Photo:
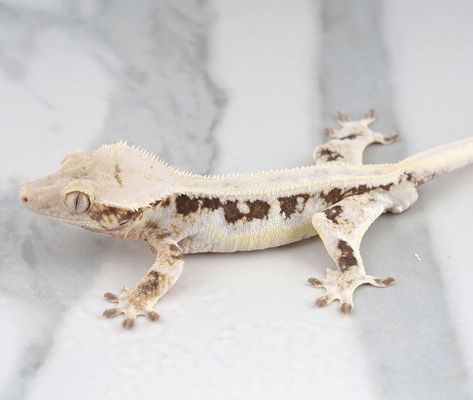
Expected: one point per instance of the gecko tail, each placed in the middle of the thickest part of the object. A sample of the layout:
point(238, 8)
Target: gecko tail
point(427, 165)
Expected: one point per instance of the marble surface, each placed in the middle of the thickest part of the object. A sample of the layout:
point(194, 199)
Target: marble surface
point(220, 86)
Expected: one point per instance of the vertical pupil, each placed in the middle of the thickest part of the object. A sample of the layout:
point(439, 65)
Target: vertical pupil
point(76, 205)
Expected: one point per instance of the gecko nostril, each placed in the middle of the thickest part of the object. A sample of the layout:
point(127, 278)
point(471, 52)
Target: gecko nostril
point(24, 199)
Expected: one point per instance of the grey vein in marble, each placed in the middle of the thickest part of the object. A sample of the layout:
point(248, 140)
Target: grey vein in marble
point(163, 100)
point(402, 346)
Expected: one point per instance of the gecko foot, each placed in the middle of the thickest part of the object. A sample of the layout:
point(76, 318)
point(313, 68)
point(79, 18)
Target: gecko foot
point(130, 306)
point(340, 285)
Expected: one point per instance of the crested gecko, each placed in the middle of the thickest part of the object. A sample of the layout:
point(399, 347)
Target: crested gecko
point(124, 191)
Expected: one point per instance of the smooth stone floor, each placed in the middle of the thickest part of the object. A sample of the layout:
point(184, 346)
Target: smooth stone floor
point(233, 86)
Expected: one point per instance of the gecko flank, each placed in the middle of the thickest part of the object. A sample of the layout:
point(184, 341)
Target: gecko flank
point(124, 191)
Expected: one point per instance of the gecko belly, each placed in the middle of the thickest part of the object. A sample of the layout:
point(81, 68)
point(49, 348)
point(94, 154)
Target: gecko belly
point(241, 239)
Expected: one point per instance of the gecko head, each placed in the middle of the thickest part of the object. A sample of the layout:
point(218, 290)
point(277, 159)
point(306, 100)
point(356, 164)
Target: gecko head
point(103, 191)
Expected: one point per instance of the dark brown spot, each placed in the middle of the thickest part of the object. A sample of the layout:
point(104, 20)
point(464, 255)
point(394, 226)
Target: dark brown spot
point(173, 247)
point(186, 205)
point(386, 187)
point(347, 258)
point(351, 136)
point(166, 202)
point(289, 204)
point(162, 235)
point(151, 225)
point(149, 285)
point(154, 230)
point(333, 213)
point(118, 177)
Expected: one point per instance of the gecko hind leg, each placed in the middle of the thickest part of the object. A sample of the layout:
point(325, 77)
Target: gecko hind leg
point(341, 228)
point(348, 143)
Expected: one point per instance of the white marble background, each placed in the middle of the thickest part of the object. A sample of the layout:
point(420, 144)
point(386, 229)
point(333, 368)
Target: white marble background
point(219, 86)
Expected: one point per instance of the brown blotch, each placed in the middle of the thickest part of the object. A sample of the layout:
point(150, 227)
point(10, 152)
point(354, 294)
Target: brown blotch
point(288, 204)
point(148, 287)
point(231, 212)
point(151, 225)
point(117, 175)
point(347, 258)
point(259, 209)
point(337, 194)
point(211, 203)
point(333, 196)
point(328, 155)
point(186, 205)
point(173, 247)
point(154, 230)
point(103, 214)
point(333, 213)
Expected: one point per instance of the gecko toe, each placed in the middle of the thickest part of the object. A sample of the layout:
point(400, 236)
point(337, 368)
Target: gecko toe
point(111, 312)
point(110, 297)
point(152, 315)
point(128, 323)
point(315, 282)
point(324, 300)
point(382, 282)
point(346, 308)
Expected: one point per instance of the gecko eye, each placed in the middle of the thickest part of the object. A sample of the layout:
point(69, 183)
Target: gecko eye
point(77, 201)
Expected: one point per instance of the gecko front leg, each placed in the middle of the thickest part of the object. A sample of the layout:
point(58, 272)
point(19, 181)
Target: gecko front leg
point(163, 274)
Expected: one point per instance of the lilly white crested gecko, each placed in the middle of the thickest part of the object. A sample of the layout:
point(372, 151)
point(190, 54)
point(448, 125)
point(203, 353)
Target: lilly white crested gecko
point(126, 192)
